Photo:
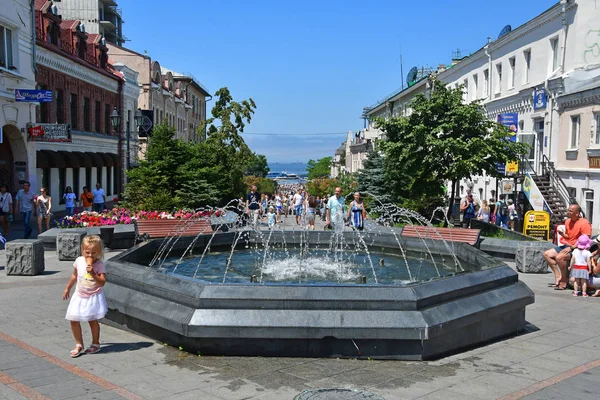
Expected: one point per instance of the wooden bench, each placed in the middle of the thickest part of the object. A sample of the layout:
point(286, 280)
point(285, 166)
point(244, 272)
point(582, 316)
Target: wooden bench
point(159, 228)
point(469, 236)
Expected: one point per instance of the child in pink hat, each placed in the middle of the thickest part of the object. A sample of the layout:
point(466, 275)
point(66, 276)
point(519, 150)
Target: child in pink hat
point(581, 263)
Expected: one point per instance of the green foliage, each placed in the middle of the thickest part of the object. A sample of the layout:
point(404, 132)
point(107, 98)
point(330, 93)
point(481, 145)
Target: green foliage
point(263, 185)
point(444, 139)
point(320, 168)
point(257, 166)
point(178, 174)
point(372, 178)
point(326, 186)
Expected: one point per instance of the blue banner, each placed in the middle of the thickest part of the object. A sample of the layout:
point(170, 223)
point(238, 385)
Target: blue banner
point(33, 96)
point(539, 99)
point(511, 121)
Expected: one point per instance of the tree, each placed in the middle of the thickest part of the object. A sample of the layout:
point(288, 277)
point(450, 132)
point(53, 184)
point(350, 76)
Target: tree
point(257, 166)
point(178, 174)
point(320, 168)
point(443, 139)
point(372, 179)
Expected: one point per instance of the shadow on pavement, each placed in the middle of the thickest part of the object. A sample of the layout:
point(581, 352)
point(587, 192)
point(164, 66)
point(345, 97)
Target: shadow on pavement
point(122, 347)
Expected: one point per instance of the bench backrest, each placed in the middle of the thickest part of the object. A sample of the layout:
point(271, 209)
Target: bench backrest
point(159, 228)
point(470, 236)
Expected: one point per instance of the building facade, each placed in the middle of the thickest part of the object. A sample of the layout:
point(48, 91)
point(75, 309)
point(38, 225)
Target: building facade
point(17, 64)
point(103, 17)
point(176, 99)
point(72, 138)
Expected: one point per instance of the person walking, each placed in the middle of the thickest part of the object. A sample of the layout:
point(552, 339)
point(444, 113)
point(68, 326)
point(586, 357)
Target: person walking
point(88, 303)
point(87, 199)
point(69, 198)
point(335, 210)
point(502, 213)
point(467, 206)
point(99, 198)
point(357, 213)
point(253, 205)
point(43, 206)
point(310, 205)
point(6, 209)
point(24, 204)
point(298, 200)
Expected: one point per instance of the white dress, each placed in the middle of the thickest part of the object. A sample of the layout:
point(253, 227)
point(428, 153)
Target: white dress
point(88, 302)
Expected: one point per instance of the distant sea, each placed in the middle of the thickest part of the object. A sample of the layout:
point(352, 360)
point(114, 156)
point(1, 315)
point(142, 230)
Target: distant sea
point(288, 168)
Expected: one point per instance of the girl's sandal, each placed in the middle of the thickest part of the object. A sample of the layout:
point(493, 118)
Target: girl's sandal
point(94, 348)
point(77, 351)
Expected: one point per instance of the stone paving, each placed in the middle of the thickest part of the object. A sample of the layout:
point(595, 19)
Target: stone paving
point(558, 358)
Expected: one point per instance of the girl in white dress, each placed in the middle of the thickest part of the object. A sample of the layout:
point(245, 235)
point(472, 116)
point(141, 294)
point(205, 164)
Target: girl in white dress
point(581, 263)
point(88, 302)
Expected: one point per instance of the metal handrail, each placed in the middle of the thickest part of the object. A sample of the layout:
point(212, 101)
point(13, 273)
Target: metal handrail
point(556, 181)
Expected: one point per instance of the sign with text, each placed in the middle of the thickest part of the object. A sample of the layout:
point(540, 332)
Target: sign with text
point(511, 121)
point(536, 224)
point(594, 162)
point(539, 99)
point(50, 132)
point(512, 167)
point(534, 195)
point(33, 96)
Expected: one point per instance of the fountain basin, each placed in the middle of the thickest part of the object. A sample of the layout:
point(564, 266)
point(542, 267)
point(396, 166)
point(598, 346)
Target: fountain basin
point(416, 321)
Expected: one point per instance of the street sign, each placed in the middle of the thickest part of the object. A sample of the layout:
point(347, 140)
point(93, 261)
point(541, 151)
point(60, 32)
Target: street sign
point(539, 99)
point(33, 96)
point(50, 132)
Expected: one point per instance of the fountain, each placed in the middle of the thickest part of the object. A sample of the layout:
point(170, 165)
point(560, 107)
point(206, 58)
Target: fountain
point(334, 293)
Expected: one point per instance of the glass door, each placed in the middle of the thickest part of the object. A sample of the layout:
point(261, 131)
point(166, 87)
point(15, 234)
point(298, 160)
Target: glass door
point(531, 157)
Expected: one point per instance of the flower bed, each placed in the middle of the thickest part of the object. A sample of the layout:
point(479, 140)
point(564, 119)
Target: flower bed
point(124, 216)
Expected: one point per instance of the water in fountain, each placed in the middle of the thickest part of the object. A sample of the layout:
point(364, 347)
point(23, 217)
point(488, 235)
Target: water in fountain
point(348, 258)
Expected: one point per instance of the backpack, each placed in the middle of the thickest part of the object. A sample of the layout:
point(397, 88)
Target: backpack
point(470, 209)
point(504, 209)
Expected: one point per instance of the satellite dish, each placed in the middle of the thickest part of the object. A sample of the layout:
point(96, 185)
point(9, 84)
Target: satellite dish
point(506, 30)
point(412, 75)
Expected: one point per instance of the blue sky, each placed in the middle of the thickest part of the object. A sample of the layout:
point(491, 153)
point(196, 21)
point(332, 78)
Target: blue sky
point(311, 66)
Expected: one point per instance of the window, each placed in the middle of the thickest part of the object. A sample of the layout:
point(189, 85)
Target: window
point(527, 65)
point(572, 194)
point(88, 178)
point(60, 107)
point(73, 104)
point(597, 130)
point(6, 48)
point(588, 196)
point(574, 139)
point(99, 174)
point(106, 119)
point(511, 62)
point(486, 82)
point(81, 48)
point(46, 180)
point(474, 91)
point(86, 115)
point(466, 90)
point(53, 34)
point(498, 78)
point(98, 117)
point(44, 112)
point(554, 49)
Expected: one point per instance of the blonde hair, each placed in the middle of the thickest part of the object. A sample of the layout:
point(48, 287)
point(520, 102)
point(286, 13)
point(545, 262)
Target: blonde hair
point(95, 242)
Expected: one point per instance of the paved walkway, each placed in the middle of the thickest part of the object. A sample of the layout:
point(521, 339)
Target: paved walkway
point(558, 358)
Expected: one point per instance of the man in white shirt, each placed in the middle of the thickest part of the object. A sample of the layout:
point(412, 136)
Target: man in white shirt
point(298, 200)
point(99, 198)
point(335, 209)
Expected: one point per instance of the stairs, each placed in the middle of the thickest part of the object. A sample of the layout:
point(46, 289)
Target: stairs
point(553, 198)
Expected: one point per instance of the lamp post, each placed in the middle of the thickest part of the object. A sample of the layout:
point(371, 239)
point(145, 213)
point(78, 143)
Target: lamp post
point(115, 121)
point(138, 118)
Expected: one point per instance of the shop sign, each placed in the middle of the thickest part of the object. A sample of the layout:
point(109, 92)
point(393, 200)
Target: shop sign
point(511, 121)
point(33, 96)
point(534, 195)
point(594, 162)
point(539, 99)
point(50, 133)
point(537, 224)
point(512, 167)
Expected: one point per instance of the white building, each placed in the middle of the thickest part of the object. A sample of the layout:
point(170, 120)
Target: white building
point(131, 91)
point(17, 46)
point(543, 75)
point(103, 17)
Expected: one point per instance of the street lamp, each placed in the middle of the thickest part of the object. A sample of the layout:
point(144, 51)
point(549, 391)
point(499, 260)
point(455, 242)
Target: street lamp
point(115, 121)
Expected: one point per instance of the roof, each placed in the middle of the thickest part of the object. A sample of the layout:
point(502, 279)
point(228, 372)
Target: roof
point(186, 76)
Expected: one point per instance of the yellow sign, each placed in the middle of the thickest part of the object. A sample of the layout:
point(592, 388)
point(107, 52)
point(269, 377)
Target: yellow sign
point(594, 162)
point(512, 167)
point(537, 224)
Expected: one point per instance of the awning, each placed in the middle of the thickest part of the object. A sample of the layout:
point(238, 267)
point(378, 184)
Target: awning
point(50, 159)
point(116, 159)
point(72, 159)
point(41, 160)
point(85, 161)
point(97, 160)
point(108, 161)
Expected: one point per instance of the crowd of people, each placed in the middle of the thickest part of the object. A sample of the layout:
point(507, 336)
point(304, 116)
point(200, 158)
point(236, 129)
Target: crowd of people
point(501, 213)
point(293, 201)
